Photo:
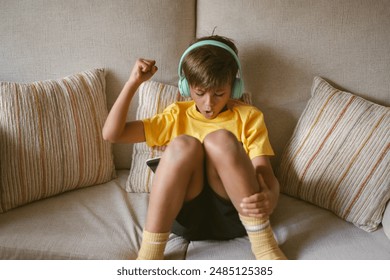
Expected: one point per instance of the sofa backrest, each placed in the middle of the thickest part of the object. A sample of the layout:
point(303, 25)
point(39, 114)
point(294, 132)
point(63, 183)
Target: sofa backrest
point(282, 46)
point(49, 39)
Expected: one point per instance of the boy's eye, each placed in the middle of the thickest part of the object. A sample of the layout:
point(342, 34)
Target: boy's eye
point(219, 94)
point(200, 92)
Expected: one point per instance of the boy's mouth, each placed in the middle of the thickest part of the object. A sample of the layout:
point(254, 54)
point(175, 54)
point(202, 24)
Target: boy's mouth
point(209, 113)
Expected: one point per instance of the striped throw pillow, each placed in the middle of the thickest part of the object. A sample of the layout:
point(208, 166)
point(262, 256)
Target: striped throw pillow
point(153, 98)
point(50, 137)
point(338, 156)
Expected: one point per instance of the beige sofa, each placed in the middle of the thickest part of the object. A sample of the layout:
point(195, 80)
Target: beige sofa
point(283, 45)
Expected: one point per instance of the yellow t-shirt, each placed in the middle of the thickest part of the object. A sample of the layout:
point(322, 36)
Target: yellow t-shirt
point(244, 121)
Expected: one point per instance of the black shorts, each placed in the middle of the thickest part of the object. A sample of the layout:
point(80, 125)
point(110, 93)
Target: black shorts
point(208, 216)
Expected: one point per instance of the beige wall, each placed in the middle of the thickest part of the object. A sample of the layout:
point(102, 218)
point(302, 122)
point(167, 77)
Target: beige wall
point(283, 45)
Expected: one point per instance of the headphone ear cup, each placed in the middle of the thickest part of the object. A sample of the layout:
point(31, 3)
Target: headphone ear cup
point(238, 88)
point(184, 87)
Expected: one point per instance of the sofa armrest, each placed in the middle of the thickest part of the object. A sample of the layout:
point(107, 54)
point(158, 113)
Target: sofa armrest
point(386, 220)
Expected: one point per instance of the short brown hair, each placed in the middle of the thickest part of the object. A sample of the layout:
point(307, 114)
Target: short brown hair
point(210, 66)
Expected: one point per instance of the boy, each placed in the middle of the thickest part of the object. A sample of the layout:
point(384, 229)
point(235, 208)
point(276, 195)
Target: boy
point(214, 180)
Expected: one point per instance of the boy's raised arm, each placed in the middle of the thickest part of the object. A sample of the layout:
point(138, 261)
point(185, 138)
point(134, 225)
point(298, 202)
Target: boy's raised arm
point(116, 129)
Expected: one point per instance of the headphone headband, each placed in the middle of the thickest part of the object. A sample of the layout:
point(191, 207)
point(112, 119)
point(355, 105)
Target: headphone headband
point(183, 84)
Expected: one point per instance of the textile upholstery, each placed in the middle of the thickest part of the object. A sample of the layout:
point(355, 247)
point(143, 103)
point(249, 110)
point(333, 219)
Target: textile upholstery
point(51, 137)
point(282, 46)
point(338, 156)
point(48, 39)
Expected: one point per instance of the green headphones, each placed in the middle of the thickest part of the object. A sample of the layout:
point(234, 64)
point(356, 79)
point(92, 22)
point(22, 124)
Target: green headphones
point(184, 87)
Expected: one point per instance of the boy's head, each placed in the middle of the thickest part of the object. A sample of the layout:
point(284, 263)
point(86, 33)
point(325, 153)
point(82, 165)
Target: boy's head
point(210, 66)
point(208, 70)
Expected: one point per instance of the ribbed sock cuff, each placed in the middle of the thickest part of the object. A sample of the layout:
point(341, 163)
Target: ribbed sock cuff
point(253, 222)
point(263, 243)
point(153, 245)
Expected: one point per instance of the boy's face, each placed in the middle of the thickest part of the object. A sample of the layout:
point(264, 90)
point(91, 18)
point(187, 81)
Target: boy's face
point(212, 101)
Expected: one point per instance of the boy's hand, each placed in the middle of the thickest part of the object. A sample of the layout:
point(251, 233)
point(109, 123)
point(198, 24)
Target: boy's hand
point(143, 70)
point(260, 204)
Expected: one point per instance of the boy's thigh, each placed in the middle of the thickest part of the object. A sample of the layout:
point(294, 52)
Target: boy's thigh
point(208, 216)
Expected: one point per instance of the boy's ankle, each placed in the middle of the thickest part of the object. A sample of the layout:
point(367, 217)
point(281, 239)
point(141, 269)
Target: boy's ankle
point(153, 246)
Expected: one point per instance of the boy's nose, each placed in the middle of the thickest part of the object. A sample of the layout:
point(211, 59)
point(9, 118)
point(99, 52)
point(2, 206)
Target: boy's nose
point(209, 100)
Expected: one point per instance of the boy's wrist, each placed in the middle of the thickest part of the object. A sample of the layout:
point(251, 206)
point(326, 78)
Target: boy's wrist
point(134, 82)
point(133, 85)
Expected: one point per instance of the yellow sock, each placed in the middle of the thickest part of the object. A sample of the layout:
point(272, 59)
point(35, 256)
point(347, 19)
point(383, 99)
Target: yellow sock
point(264, 245)
point(152, 246)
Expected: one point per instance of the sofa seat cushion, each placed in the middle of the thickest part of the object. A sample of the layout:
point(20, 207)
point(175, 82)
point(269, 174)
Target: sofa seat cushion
point(99, 222)
point(234, 249)
point(304, 232)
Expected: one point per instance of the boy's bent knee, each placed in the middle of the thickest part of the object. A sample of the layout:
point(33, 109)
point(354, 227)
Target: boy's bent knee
point(185, 146)
point(223, 141)
point(185, 142)
point(221, 135)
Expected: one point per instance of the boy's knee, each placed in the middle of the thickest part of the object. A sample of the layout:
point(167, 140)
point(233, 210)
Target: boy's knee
point(185, 146)
point(222, 141)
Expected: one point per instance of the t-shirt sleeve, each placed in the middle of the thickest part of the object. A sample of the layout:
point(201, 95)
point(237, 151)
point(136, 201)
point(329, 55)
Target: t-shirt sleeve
point(256, 135)
point(158, 129)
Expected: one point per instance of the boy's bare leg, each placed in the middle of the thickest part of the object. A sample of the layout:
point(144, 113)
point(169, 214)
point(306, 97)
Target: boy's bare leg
point(229, 170)
point(178, 178)
point(232, 176)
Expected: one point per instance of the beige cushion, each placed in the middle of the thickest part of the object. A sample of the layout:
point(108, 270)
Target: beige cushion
point(338, 156)
point(154, 97)
point(51, 137)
